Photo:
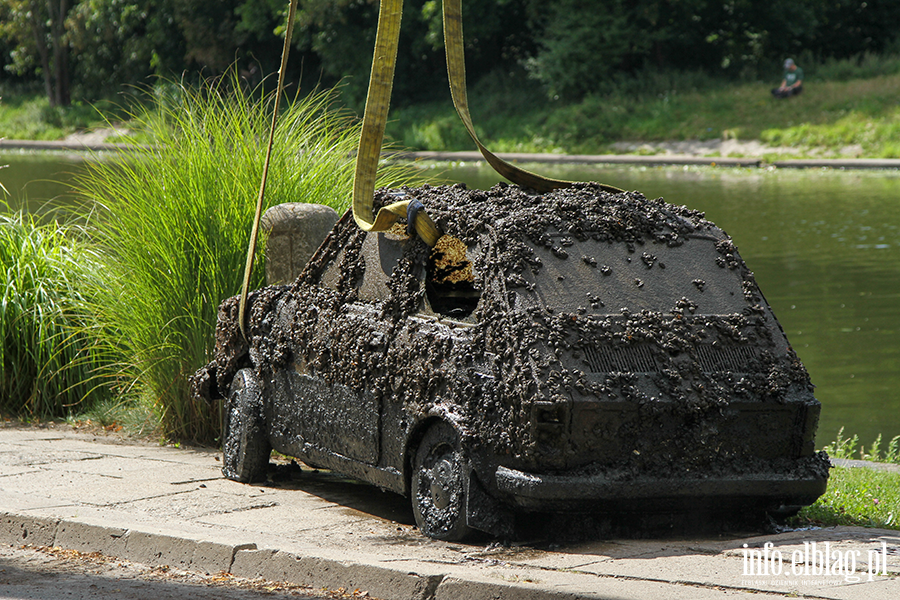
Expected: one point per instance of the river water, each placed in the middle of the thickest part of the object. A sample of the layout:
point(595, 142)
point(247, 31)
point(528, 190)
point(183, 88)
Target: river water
point(824, 244)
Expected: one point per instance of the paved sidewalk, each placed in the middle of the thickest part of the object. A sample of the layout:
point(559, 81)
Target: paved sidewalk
point(168, 506)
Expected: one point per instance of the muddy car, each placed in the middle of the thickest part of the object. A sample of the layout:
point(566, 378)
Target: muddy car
point(570, 351)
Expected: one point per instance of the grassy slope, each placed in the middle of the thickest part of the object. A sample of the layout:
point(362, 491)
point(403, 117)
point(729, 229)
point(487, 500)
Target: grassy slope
point(27, 115)
point(828, 117)
point(513, 114)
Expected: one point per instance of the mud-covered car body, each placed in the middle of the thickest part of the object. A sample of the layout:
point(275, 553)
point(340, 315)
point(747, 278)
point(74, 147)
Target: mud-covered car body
point(577, 350)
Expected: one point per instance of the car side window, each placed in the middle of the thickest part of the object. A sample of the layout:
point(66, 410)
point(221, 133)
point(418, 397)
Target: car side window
point(386, 256)
point(337, 265)
point(332, 273)
point(450, 280)
point(439, 282)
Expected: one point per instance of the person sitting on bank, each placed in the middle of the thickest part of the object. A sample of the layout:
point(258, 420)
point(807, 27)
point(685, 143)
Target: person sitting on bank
point(792, 84)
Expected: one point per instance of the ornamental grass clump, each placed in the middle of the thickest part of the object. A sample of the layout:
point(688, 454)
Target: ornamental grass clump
point(173, 225)
point(48, 358)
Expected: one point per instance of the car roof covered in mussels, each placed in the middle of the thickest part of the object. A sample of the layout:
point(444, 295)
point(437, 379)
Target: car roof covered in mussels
point(584, 346)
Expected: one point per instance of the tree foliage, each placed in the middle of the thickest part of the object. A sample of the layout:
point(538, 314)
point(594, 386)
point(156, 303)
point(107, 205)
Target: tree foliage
point(571, 46)
point(37, 32)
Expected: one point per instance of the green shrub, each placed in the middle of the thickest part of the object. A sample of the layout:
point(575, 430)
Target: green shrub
point(48, 360)
point(173, 225)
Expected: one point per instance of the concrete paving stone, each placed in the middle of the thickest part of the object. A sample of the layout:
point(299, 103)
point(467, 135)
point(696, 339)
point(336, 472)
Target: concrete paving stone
point(18, 457)
point(39, 442)
point(291, 520)
point(690, 564)
point(202, 506)
point(10, 471)
point(855, 543)
point(83, 488)
point(15, 503)
point(76, 485)
point(467, 589)
point(113, 466)
point(731, 569)
point(594, 557)
point(24, 507)
point(566, 586)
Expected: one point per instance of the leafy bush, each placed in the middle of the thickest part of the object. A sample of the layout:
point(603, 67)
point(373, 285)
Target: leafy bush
point(173, 226)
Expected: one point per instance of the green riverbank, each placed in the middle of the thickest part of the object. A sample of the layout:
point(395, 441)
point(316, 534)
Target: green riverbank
point(853, 117)
point(849, 109)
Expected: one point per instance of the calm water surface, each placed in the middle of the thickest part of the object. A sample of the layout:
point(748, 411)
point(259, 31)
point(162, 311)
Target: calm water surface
point(825, 247)
point(38, 181)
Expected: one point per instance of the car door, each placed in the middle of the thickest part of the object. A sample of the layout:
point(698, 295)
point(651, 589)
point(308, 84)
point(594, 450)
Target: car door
point(333, 381)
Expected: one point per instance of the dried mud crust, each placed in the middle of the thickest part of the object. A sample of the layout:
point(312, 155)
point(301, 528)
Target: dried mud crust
point(488, 380)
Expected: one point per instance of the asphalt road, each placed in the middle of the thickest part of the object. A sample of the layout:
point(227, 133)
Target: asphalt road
point(55, 574)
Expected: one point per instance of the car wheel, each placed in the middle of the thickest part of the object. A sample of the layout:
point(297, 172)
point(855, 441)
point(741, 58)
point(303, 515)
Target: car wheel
point(245, 449)
point(438, 485)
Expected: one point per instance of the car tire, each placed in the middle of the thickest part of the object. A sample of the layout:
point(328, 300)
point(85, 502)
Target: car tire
point(438, 487)
point(245, 447)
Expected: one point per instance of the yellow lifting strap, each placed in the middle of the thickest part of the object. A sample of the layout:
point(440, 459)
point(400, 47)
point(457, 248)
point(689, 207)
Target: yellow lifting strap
point(378, 102)
point(375, 118)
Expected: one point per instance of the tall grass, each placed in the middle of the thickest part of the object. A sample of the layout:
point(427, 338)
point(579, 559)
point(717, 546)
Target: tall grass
point(173, 225)
point(850, 448)
point(48, 359)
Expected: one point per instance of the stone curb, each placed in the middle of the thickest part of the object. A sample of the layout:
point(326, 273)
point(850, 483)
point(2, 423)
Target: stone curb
point(865, 464)
point(67, 146)
point(245, 560)
point(315, 572)
point(147, 548)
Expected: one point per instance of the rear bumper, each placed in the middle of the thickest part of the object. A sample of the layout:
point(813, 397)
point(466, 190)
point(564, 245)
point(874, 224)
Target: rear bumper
point(620, 490)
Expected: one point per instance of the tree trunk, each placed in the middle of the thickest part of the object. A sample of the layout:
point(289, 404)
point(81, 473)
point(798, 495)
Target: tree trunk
point(40, 41)
point(61, 96)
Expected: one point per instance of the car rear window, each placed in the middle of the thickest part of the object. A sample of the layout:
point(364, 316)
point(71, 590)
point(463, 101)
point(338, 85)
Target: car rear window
point(601, 278)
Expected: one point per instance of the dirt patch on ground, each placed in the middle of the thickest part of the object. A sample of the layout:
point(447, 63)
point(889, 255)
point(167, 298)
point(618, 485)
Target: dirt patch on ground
point(731, 147)
point(100, 135)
